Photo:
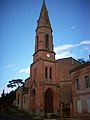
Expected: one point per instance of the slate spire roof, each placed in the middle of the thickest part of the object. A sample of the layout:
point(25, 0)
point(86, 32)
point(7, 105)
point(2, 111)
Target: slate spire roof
point(43, 20)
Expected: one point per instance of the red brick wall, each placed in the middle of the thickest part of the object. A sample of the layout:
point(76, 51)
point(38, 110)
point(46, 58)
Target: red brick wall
point(83, 94)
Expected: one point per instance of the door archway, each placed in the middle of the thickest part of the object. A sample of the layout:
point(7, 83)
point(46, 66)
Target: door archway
point(48, 101)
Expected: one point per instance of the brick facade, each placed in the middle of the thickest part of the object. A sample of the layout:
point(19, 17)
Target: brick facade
point(81, 91)
point(65, 65)
point(49, 87)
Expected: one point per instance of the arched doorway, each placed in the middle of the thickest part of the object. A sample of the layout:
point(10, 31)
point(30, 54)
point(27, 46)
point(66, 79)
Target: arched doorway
point(33, 99)
point(48, 101)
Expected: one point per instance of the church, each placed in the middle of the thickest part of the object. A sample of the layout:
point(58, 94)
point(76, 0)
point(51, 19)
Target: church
point(49, 87)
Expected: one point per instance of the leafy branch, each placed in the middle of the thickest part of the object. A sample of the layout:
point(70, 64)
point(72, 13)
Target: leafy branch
point(15, 82)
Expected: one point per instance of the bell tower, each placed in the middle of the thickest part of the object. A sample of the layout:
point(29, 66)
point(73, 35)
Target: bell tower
point(44, 91)
point(44, 38)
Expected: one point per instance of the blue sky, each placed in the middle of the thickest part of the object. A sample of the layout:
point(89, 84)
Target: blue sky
point(70, 21)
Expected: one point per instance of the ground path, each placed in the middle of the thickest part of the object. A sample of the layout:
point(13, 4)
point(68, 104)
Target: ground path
point(8, 117)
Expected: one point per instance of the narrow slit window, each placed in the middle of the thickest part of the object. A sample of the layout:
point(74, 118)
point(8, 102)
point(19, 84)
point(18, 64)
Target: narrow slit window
point(77, 84)
point(46, 72)
point(87, 83)
point(47, 41)
point(50, 76)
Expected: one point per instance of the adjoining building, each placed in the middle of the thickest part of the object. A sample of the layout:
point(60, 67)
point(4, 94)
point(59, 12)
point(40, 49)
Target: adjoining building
point(49, 87)
point(81, 90)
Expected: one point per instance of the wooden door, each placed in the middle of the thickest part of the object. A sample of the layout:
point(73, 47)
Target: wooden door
point(48, 101)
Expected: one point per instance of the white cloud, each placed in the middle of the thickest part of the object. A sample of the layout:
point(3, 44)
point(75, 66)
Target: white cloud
point(63, 47)
point(63, 55)
point(63, 51)
point(25, 70)
point(1, 92)
point(8, 66)
point(85, 42)
point(86, 48)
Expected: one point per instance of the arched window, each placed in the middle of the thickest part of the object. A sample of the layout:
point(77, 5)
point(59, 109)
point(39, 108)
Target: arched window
point(47, 41)
point(46, 72)
point(50, 73)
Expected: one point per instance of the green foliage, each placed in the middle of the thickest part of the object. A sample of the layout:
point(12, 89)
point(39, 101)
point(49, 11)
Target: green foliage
point(14, 83)
point(33, 114)
point(14, 111)
point(24, 114)
point(10, 110)
point(82, 60)
point(53, 116)
point(7, 100)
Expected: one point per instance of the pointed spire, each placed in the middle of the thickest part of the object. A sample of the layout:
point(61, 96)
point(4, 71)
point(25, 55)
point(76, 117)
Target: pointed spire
point(43, 18)
point(44, 1)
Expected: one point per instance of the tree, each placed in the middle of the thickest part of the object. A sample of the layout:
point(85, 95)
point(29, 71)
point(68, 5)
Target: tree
point(7, 100)
point(82, 60)
point(3, 93)
point(15, 82)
